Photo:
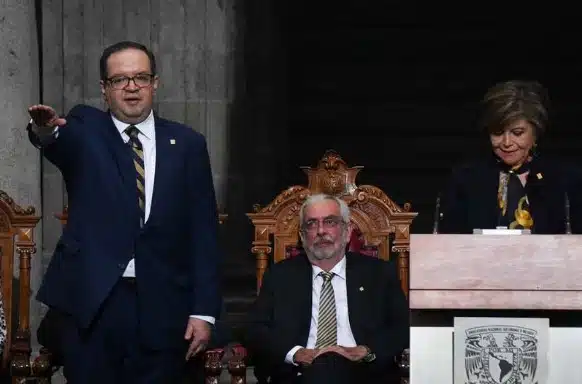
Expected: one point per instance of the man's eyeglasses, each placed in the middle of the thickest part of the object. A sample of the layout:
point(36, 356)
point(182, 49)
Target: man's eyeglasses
point(327, 223)
point(121, 82)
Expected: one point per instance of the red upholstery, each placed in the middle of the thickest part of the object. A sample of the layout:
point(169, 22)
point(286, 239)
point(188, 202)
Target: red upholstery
point(358, 244)
point(239, 350)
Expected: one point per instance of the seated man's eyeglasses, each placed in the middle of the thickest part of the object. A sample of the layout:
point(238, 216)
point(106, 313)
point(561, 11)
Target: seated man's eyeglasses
point(330, 222)
point(121, 82)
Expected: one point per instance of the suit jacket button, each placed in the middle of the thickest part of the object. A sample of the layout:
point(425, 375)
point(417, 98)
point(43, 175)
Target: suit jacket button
point(121, 266)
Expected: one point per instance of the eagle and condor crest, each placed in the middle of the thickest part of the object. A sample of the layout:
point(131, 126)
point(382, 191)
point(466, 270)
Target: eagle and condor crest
point(499, 353)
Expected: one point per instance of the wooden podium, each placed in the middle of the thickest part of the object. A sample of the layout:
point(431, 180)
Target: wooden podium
point(496, 272)
point(493, 274)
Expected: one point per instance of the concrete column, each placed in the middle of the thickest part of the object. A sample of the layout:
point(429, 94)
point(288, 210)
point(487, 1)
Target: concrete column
point(221, 29)
point(19, 87)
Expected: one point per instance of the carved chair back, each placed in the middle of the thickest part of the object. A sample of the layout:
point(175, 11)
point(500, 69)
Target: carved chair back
point(16, 243)
point(382, 226)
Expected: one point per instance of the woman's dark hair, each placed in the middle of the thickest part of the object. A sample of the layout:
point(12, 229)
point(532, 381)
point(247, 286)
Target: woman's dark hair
point(514, 100)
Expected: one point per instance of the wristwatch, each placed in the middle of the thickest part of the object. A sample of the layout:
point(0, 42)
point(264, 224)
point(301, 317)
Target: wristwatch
point(370, 356)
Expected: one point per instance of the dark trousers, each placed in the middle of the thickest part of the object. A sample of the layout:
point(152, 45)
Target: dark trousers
point(110, 350)
point(330, 368)
point(335, 369)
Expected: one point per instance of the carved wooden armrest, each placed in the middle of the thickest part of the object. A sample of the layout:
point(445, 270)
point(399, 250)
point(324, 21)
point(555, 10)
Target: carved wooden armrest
point(237, 366)
point(213, 365)
point(22, 367)
point(43, 364)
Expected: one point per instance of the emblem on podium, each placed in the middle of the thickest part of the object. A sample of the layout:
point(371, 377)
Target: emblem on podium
point(500, 351)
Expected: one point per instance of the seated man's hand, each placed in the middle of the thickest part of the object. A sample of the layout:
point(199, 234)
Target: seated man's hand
point(304, 356)
point(350, 353)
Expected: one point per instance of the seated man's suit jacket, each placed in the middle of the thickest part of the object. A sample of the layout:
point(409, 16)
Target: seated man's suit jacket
point(175, 252)
point(281, 316)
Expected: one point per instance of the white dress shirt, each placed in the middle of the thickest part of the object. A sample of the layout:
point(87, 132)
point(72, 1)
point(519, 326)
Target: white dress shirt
point(147, 136)
point(345, 337)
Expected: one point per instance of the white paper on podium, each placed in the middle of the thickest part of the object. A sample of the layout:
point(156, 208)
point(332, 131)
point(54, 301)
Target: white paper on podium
point(501, 231)
point(489, 350)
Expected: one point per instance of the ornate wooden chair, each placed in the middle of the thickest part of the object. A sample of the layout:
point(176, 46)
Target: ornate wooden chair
point(17, 242)
point(215, 360)
point(381, 227)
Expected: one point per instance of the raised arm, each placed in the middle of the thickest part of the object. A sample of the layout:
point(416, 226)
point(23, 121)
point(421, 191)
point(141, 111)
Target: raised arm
point(55, 135)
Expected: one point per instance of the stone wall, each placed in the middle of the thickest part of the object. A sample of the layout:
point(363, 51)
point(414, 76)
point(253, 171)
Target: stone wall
point(20, 166)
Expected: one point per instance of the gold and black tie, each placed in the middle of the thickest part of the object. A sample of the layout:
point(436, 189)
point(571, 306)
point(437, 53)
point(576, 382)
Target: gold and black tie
point(137, 152)
point(327, 322)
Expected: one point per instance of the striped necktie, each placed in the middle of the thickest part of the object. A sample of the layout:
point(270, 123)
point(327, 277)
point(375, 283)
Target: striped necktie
point(327, 322)
point(137, 153)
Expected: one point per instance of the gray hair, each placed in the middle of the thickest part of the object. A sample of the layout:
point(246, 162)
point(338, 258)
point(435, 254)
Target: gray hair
point(344, 209)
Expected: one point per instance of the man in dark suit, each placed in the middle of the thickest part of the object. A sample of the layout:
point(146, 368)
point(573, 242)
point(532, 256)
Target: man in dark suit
point(328, 316)
point(134, 277)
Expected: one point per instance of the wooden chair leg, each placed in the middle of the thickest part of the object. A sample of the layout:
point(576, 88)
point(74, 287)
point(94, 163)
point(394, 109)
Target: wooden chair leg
point(238, 370)
point(42, 367)
point(212, 366)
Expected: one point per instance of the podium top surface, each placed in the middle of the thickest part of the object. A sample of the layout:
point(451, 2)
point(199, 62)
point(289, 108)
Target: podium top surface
point(496, 271)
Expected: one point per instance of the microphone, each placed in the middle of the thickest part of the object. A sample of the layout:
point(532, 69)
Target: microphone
point(567, 209)
point(437, 216)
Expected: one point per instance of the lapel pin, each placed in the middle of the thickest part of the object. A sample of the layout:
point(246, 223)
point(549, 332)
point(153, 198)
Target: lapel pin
point(539, 176)
point(172, 141)
point(361, 289)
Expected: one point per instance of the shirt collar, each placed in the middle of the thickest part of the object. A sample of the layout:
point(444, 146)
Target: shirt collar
point(146, 127)
point(339, 269)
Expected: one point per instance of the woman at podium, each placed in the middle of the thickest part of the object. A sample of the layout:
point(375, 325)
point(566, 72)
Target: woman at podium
point(516, 187)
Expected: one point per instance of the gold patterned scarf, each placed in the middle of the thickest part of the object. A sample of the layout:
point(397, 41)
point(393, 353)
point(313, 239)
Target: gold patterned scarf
point(513, 202)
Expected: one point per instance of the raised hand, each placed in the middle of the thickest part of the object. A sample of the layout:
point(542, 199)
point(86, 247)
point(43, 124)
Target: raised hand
point(45, 116)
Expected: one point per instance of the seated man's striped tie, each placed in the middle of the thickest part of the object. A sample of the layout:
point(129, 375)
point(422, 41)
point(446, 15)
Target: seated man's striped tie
point(137, 152)
point(327, 322)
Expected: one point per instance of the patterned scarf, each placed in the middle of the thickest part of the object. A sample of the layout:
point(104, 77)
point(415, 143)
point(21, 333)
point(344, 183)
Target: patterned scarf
point(513, 202)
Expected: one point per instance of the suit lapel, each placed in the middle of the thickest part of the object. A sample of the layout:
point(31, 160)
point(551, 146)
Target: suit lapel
point(303, 282)
point(538, 194)
point(484, 196)
point(165, 153)
point(354, 280)
point(122, 157)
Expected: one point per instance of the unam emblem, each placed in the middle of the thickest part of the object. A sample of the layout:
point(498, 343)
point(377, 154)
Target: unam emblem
point(501, 355)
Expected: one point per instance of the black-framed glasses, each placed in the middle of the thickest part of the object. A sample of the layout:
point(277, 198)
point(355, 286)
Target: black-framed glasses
point(330, 222)
point(121, 82)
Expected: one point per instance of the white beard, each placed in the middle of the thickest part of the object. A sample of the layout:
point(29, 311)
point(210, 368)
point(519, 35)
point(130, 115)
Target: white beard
point(323, 253)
